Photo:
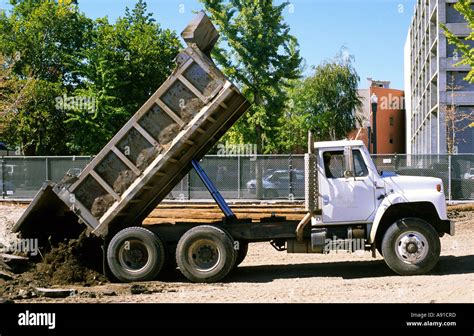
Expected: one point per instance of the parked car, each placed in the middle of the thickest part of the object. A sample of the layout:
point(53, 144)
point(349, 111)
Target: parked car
point(276, 184)
point(469, 175)
point(7, 188)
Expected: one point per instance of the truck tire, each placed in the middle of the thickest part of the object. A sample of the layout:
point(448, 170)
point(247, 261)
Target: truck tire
point(411, 246)
point(135, 254)
point(205, 254)
point(241, 253)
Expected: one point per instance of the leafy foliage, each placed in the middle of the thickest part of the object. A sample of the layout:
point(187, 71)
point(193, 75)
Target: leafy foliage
point(467, 52)
point(62, 53)
point(258, 52)
point(323, 102)
point(125, 64)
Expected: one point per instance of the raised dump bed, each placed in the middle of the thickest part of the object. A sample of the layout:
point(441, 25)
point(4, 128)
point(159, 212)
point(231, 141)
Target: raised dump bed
point(153, 151)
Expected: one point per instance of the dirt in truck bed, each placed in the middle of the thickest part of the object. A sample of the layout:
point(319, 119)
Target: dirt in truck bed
point(265, 276)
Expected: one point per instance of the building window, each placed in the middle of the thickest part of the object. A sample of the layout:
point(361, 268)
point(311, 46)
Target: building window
point(392, 122)
point(455, 81)
point(391, 139)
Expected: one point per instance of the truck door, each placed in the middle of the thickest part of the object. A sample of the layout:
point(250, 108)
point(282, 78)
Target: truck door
point(345, 199)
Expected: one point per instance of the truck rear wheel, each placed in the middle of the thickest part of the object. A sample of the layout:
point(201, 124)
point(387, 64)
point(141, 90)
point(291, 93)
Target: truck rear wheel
point(135, 254)
point(411, 246)
point(205, 254)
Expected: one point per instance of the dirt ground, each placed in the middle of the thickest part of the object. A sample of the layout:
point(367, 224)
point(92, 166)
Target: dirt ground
point(270, 276)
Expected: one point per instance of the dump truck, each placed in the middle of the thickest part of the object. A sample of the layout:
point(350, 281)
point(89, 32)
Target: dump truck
point(349, 205)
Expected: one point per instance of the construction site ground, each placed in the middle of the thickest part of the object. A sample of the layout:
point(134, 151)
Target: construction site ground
point(265, 276)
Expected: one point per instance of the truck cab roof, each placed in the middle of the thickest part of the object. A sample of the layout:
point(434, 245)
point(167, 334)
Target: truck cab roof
point(339, 143)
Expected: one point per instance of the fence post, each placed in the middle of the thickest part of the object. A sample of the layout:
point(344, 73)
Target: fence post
point(290, 176)
point(239, 176)
point(188, 186)
point(47, 169)
point(3, 177)
point(449, 177)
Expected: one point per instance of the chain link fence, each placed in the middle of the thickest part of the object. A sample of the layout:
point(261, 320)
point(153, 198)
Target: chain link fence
point(235, 177)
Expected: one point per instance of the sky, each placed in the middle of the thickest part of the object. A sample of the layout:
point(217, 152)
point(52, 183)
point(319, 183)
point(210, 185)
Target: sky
point(373, 31)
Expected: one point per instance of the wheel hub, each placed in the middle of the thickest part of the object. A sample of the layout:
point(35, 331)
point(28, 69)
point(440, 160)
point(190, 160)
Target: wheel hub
point(412, 247)
point(133, 256)
point(204, 254)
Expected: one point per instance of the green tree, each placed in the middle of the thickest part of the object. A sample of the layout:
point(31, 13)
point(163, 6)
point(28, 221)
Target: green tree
point(125, 64)
point(66, 56)
point(467, 52)
point(293, 129)
point(324, 102)
point(258, 52)
point(39, 38)
point(42, 36)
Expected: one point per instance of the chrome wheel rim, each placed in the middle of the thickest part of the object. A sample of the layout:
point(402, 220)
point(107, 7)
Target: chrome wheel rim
point(411, 247)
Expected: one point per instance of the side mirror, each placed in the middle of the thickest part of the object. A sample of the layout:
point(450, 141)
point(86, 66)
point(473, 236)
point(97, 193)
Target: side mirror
point(348, 162)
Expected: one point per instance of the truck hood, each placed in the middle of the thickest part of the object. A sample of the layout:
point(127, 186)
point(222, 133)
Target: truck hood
point(402, 183)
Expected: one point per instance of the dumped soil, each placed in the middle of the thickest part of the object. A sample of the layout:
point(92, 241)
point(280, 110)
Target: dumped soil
point(168, 134)
point(72, 262)
point(101, 205)
point(146, 157)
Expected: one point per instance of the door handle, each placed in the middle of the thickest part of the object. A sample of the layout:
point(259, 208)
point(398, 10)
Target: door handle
point(377, 186)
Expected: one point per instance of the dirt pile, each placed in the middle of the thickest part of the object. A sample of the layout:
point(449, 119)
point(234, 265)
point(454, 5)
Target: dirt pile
point(101, 205)
point(77, 261)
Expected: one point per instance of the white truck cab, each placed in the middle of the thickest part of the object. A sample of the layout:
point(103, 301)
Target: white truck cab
point(400, 216)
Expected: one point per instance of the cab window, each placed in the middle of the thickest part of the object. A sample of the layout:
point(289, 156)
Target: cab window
point(334, 164)
point(360, 168)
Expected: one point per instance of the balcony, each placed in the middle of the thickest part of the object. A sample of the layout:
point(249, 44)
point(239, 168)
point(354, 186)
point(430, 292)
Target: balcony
point(460, 29)
point(450, 65)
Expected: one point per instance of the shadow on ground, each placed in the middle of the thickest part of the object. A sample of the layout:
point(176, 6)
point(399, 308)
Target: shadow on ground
point(344, 269)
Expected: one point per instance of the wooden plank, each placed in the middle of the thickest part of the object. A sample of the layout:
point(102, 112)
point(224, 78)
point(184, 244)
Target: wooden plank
point(210, 204)
point(211, 119)
point(161, 211)
point(104, 185)
point(193, 89)
point(223, 105)
point(169, 112)
point(125, 160)
point(147, 135)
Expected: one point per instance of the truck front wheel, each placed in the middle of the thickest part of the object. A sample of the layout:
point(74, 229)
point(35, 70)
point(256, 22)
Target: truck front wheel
point(205, 254)
point(411, 246)
point(135, 254)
